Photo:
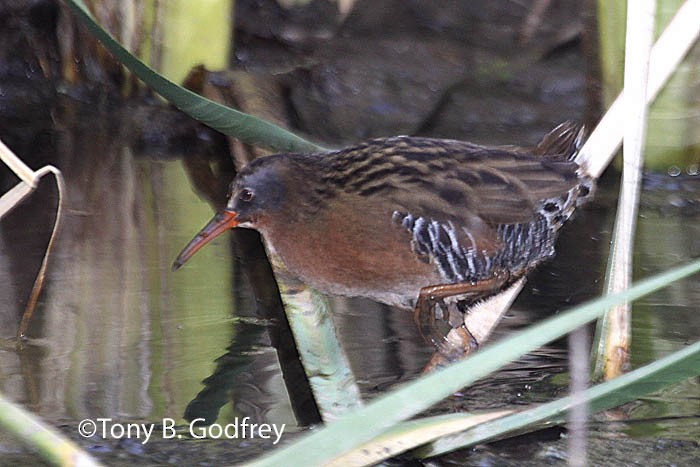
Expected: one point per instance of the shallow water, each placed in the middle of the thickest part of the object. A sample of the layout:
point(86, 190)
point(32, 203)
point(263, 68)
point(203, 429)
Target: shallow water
point(118, 335)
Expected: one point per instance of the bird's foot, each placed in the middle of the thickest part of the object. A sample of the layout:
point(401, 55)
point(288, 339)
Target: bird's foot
point(458, 344)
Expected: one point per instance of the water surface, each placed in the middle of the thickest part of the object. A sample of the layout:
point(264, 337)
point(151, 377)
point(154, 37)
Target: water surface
point(118, 335)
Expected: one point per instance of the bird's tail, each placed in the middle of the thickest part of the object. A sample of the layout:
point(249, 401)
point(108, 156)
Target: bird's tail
point(565, 140)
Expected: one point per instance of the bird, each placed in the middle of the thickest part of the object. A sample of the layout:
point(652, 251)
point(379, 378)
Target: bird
point(417, 223)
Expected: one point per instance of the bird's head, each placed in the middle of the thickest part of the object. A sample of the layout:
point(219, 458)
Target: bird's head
point(256, 193)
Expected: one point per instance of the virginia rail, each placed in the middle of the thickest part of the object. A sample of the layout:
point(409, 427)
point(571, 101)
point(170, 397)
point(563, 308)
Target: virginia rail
point(409, 221)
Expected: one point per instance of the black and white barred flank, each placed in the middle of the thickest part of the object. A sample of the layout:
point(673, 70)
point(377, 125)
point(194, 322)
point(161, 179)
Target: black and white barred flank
point(521, 246)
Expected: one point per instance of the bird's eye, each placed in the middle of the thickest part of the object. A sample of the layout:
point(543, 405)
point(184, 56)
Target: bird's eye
point(246, 195)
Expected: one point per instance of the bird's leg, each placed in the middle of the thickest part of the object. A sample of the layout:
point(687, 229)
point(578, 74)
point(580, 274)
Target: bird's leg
point(425, 307)
point(436, 295)
point(433, 295)
point(427, 300)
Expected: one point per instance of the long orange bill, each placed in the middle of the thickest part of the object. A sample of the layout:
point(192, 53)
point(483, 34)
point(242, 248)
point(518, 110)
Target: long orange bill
point(219, 224)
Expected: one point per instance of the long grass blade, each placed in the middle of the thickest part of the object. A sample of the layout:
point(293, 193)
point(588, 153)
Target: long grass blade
point(413, 433)
point(451, 432)
point(616, 323)
point(11, 199)
point(377, 417)
point(650, 378)
point(247, 128)
point(51, 444)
